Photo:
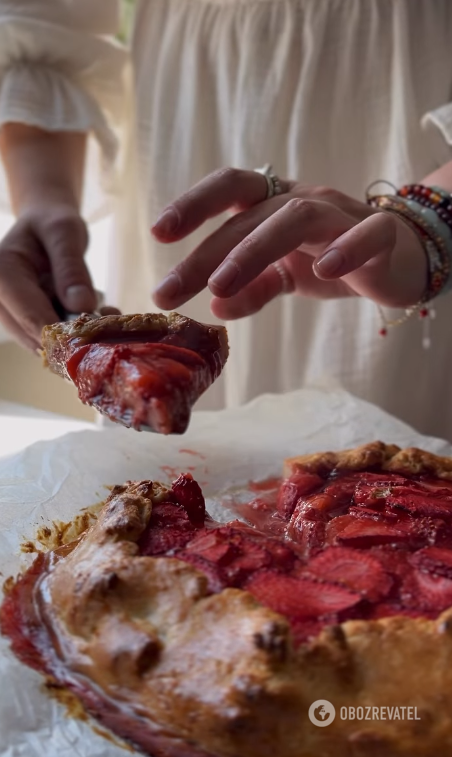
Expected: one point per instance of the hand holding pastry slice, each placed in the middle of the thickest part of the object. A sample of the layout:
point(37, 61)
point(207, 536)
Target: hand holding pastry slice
point(143, 371)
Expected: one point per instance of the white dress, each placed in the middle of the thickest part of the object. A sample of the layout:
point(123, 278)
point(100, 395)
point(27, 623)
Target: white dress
point(332, 92)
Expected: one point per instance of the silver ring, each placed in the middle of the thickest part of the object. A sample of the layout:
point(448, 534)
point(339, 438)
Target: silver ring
point(287, 284)
point(273, 182)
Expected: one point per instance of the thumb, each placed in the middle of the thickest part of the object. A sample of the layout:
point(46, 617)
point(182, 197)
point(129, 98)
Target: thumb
point(65, 239)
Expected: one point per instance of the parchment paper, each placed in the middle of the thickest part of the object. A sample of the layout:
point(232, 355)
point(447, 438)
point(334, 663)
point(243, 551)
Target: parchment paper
point(56, 479)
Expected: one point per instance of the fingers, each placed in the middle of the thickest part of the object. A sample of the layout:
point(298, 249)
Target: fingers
point(385, 262)
point(235, 261)
point(297, 224)
point(373, 237)
point(18, 333)
point(278, 279)
point(65, 239)
point(380, 258)
point(252, 298)
point(41, 247)
point(108, 310)
point(22, 297)
point(191, 276)
point(222, 190)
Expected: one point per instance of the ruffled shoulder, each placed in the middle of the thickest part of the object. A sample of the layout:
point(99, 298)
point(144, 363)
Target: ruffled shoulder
point(437, 125)
point(61, 73)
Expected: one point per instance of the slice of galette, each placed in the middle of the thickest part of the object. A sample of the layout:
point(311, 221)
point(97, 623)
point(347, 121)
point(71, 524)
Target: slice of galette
point(143, 371)
point(190, 638)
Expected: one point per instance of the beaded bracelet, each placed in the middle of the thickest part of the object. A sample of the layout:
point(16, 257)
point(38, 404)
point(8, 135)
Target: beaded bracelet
point(433, 198)
point(428, 212)
point(434, 205)
point(437, 247)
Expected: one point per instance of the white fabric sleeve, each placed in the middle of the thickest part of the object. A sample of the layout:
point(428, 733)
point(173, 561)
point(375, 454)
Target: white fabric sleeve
point(437, 125)
point(61, 70)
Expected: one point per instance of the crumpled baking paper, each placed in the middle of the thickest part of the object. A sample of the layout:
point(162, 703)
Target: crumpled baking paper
point(54, 480)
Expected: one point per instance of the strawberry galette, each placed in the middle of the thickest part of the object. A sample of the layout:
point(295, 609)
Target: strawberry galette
point(143, 371)
point(190, 638)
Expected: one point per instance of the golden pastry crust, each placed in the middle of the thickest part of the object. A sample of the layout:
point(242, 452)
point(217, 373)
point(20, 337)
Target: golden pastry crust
point(219, 672)
point(376, 455)
point(89, 329)
point(210, 668)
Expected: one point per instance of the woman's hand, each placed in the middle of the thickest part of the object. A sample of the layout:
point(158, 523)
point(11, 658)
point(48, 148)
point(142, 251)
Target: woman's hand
point(324, 243)
point(42, 257)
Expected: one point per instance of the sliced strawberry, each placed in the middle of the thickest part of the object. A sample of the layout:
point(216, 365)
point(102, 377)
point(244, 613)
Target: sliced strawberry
point(213, 572)
point(299, 597)
point(212, 547)
point(420, 503)
point(169, 528)
point(238, 529)
point(298, 485)
point(253, 557)
point(373, 488)
point(240, 551)
point(381, 479)
point(439, 487)
point(282, 557)
point(336, 526)
point(428, 531)
point(307, 534)
point(80, 368)
point(393, 559)
point(378, 515)
point(317, 507)
point(370, 496)
point(426, 592)
point(169, 514)
point(341, 489)
point(189, 495)
point(433, 560)
point(205, 540)
point(365, 533)
point(357, 570)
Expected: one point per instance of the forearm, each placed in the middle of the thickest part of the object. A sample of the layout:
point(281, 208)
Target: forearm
point(442, 177)
point(42, 167)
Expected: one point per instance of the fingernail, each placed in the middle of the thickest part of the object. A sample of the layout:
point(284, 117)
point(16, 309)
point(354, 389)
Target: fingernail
point(225, 276)
point(169, 287)
point(168, 222)
point(79, 298)
point(330, 263)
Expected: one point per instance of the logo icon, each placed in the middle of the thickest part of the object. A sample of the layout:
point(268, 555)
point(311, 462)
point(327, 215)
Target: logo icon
point(322, 713)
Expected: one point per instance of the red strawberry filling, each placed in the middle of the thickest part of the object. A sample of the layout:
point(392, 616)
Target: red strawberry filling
point(140, 383)
point(362, 545)
point(322, 551)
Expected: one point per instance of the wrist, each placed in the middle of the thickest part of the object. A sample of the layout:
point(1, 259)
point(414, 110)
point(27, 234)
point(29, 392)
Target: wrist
point(43, 168)
point(411, 268)
point(48, 200)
